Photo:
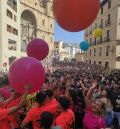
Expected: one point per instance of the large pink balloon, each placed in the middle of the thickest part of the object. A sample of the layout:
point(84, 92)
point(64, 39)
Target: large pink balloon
point(24, 71)
point(38, 49)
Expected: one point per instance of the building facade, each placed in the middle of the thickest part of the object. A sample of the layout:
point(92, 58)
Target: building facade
point(20, 22)
point(79, 57)
point(105, 50)
point(59, 52)
point(72, 49)
point(66, 51)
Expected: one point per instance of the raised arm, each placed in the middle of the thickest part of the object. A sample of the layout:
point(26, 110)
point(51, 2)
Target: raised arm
point(12, 97)
point(89, 94)
point(21, 103)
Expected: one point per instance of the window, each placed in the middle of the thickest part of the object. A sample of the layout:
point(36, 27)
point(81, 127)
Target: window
point(15, 31)
point(12, 30)
point(107, 50)
point(90, 52)
point(94, 62)
point(102, 10)
point(100, 62)
point(90, 62)
point(109, 4)
point(43, 3)
point(100, 51)
point(95, 41)
point(94, 51)
point(9, 28)
point(106, 64)
point(108, 21)
point(108, 35)
point(12, 45)
point(109, 17)
point(9, 14)
point(100, 39)
point(12, 4)
point(11, 59)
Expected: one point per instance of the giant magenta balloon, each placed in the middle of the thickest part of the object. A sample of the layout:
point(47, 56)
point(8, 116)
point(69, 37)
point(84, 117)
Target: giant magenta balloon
point(75, 15)
point(84, 45)
point(38, 49)
point(25, 71)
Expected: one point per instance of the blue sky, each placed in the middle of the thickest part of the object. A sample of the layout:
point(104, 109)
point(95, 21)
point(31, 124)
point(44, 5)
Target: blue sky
point(61, 34)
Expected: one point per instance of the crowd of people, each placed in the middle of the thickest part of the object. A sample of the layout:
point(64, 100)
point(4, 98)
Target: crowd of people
point(74, 96)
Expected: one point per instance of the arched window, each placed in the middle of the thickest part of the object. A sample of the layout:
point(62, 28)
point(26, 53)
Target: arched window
point(12, 4)
point(28, 28)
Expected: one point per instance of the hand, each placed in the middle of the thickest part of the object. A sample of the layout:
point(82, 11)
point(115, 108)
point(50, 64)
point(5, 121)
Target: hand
point(94, 85)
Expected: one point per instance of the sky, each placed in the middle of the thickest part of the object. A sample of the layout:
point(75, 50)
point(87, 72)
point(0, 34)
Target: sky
point(61, 34)
point(65, 36)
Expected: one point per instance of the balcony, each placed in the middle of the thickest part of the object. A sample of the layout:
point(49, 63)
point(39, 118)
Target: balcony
point(98, 41)
point(106, 39)
point(107, 22)
point(93, 43)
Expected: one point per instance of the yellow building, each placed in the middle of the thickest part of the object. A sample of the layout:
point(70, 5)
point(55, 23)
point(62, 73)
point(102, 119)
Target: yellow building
point(106, 49)
point(20, 22)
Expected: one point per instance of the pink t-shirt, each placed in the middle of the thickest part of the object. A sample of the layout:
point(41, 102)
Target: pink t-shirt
point(93, 122)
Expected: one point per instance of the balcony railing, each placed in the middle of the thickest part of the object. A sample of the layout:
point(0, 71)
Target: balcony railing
point(98, 41)
point(94, 43)
point(108, 22)
point(106, 39)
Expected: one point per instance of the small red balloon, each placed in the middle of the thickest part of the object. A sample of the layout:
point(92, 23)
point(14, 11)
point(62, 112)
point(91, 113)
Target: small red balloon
point(38, 49)
point(25, 71)
point(75, 15)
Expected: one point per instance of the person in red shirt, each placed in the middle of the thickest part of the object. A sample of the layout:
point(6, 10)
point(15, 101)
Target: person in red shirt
point(34, 114)
point(50, 98)
point(66, 118)
point(4, 113)
point(15, 117)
